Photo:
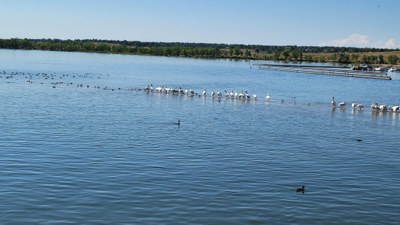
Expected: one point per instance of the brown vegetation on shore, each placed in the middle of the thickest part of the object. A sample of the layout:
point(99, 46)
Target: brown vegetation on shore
point(371, 58)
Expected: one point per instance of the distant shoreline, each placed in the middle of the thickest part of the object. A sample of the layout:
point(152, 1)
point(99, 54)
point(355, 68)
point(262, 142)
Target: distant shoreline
point(346, 55)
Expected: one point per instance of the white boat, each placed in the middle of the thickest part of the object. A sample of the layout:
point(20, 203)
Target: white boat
point(394, 69)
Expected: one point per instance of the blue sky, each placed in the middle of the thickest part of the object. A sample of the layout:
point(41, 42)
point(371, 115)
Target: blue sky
point(359, 23)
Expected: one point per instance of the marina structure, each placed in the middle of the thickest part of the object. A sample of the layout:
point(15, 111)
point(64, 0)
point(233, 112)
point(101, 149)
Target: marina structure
point(326, 70)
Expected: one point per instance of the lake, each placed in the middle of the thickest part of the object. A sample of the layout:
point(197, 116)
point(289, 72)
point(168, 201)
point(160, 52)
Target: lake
point(81, 143)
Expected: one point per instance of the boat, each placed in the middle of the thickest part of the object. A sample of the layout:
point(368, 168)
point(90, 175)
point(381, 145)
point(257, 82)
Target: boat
point(394, 69)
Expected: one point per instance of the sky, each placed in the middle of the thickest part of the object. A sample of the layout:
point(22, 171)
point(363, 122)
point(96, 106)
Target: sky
point(352, 23)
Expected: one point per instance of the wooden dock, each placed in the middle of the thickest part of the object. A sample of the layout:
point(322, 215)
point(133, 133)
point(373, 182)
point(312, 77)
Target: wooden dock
point(341, 71)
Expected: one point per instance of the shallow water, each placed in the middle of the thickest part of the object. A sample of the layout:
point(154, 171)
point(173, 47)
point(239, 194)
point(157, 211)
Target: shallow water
point(78, 155)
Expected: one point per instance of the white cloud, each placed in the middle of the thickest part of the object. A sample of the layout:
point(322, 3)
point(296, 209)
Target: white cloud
point(354, 40)
point(391, 43)
point(361, 41)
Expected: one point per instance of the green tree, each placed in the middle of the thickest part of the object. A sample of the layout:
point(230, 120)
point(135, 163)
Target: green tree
point(25, 44)
point(343, 58)
point(231, 52)
point(276, 55)
point(286, 54)
point(13, 43)
point(381, 59)
point(393, 59)
point(102, 47)
point(373, 59)
point(296, 55)
point(237, 51)
point(247, 54)
point(88, 47)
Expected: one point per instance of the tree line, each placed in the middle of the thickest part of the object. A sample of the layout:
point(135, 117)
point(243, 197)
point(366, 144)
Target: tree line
point(208, 50)
point(117, 47)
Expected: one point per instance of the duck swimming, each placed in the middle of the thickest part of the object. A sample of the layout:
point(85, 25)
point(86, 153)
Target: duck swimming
point(302, 189)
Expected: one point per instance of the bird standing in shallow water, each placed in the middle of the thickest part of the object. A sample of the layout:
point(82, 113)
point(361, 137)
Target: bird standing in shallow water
point(302, 189)
point(333, 102)
point(268, 98)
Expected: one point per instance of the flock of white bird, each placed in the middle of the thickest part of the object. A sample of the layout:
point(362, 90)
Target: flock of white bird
point(375, 106)
point(245, 96)
point(242, 95)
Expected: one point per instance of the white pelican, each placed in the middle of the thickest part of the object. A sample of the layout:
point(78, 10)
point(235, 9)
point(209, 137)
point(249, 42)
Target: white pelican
point(204, 92)
point(375, 106)
point(159, 89)
point(342, 104)
point(268, 98)
point(240, 95)
point(226, 94)
point(247, 96)
point(149, 87)
point(395, 108)
point(231, 94)
point(357, 105)
point(190, 93)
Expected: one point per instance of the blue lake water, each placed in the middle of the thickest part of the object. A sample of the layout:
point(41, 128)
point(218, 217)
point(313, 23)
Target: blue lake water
point(113, 155)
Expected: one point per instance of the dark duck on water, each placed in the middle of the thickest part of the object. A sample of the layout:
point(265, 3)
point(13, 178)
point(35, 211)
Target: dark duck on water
point(302, 189)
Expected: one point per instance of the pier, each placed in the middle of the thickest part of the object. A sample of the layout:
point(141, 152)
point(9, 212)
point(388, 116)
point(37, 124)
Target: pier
point(341, 71)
